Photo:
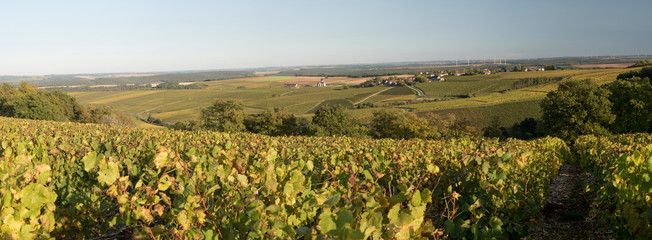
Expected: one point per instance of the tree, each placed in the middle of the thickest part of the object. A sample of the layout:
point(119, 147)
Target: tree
point(420, 79)
point(334, 121)
point(529, 128)
point(277, 123)
point(577, 108)
point(402, 125)
point(223, 116)
point(632, 105)
point(493, 130)
point(645, 72)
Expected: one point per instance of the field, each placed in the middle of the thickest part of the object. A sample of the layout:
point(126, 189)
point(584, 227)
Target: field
point(257, 93)
point(507, 113)
point(268, 93)
point(608, 65)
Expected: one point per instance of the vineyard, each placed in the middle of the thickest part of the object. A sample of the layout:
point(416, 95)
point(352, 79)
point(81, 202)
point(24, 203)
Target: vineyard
point(68, 180)
point(624, 165)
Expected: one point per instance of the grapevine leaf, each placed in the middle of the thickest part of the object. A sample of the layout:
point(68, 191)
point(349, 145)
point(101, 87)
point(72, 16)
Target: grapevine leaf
point(326, 222)
point(108, 173)
point(90, 161)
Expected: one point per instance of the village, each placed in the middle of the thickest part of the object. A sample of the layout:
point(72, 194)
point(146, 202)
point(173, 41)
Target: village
point(423, 77)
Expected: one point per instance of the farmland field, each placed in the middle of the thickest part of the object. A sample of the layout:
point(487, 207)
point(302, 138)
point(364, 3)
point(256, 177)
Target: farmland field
point(268, 93)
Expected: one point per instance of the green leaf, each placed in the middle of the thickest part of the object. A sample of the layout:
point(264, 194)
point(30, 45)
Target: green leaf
point(333, 200)
point(326, 223)
point(108, 173)
point(164, 183)
point(90, 161)
point(310, 165)
point(485, 167)
point(393, 214)
point(210, 235)
point(36, 195)
point(416, 198)
point(432, 168)
point(242, 179)
point(344, 217)
point(182, 219)
point(507, 156)
point(161, 159)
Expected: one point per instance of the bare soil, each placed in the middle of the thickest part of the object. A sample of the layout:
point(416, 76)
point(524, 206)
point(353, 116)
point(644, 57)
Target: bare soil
point(566, 212)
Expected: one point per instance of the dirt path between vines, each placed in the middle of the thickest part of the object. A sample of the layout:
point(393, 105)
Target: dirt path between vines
point(566, 212)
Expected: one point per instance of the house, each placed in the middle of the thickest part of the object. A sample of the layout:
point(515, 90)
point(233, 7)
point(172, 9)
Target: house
point(532, 69)
point(486, 72)
point(390, 82)
point(436, 78)
point(457, 74)
point(292, 85)
point(321, 83)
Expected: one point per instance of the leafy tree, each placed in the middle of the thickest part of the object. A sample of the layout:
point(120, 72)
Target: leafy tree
point(334, 121)
point(421, 79)
point(104, 115)
point(277, 123)
point(529, 128)
point(493, 130)
point(577, 108)
point(29, 102)
point(401, 125)
point(645, 72)
point(632, 105)
point(642, 63)
point(186, 125)
point(36, 106)
point(223, 116)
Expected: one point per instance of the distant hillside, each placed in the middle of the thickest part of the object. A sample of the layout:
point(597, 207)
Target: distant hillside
point(121, 79)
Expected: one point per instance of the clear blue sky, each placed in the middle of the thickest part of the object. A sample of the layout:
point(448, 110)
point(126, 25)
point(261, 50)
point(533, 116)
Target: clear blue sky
point(56, 37)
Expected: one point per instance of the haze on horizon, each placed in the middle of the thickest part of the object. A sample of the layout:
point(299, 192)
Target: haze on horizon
point(65, 37)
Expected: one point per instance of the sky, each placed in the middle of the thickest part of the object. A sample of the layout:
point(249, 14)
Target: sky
point(72, 37)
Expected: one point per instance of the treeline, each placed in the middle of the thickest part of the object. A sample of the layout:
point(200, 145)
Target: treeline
point(177, 85)
point(528, 82)
point(228, 116)
point(642, 63)
point(27, 101)
point(583, 107)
